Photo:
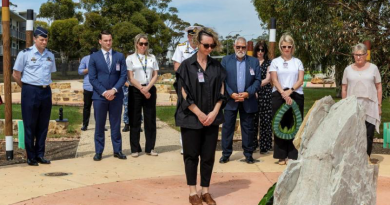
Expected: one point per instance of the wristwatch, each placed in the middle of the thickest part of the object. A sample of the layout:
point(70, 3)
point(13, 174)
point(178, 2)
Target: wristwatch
point(292, 89)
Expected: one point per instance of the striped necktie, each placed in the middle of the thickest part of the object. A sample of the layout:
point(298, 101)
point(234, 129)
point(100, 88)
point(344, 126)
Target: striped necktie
point(108, 61)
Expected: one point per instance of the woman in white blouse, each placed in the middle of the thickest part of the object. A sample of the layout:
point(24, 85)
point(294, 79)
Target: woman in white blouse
point(142, 73)
point(363, 80)
point(287, 76)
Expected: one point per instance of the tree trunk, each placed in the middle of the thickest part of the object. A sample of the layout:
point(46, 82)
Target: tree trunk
point(64, 61)
point(339, 76)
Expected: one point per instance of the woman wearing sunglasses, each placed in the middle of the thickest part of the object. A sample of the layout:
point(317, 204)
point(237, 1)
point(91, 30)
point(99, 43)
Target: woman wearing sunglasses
point(142, 73)
point(263, 127)
point(287, 76)
point(200, 88)
point(362, 79)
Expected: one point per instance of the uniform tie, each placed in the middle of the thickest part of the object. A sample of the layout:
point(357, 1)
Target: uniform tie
point(108, 61)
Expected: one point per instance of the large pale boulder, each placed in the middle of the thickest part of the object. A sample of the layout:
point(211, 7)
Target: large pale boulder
point(332, 167)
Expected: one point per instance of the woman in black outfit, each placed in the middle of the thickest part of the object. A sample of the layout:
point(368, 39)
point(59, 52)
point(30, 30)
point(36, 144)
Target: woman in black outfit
point(263, 127)
point(200, 89)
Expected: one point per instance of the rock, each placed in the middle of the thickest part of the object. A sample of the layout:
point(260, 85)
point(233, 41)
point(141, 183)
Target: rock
point(312, 120)
point(332, 166)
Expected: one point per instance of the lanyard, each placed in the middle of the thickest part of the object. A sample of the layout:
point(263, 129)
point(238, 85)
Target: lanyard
point(146, 64)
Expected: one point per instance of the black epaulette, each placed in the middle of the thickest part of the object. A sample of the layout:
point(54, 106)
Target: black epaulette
point(26, 49)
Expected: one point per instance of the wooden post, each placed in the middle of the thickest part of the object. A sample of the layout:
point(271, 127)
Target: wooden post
point(7, 80)
point(249, 50)
point(368, 45)
point(272, 38)
point(29, 28)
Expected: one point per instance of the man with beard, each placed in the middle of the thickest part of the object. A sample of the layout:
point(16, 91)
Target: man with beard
point(242, 82)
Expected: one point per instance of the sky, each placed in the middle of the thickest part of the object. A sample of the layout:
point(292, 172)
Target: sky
point(225, 16)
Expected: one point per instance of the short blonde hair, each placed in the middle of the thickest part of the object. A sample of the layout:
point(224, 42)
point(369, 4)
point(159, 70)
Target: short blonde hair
point(206, 32)
point(136, 41)
point(359, 47)
point(289, 39)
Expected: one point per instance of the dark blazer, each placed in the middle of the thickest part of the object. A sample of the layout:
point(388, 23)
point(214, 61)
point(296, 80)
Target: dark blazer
point(100, 77)
point(252, 82)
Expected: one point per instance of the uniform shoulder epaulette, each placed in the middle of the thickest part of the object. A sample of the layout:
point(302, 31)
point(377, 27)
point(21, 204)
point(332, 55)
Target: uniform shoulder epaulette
point(182, 44)
point(26, 49)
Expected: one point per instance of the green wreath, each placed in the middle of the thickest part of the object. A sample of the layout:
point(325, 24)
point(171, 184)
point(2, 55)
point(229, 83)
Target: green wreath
point(285, 133)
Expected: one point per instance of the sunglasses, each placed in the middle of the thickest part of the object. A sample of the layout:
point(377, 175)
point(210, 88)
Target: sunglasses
point(207, 46)
point(143, 44)
point(359, 55)
point(262, 50)
point(284, 47)
point(239, 47)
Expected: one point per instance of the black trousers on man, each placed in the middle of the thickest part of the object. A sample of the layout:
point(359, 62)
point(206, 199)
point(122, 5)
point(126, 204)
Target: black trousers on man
point(87, 107)
point(137, 103)
point(199, 143)
point(36, 110)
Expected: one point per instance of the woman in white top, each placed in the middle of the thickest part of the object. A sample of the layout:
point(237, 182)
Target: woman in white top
point(287, 76)
point(142, 73)
point(363, 80)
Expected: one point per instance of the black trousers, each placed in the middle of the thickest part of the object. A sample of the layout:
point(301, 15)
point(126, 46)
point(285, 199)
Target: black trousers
point(36, 110)
point(137, 103)
point(199, 142)
point(87, 107)
point(370, 137)
point(285, 148)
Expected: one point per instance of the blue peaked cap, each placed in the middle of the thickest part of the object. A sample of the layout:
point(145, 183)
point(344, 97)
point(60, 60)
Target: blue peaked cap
point(39, 31)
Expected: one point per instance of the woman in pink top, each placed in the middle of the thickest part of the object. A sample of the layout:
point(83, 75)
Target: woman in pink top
point(363, 80)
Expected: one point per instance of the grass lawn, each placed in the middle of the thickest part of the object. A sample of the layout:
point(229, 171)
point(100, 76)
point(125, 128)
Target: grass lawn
point(73, 114)
point(166, 114)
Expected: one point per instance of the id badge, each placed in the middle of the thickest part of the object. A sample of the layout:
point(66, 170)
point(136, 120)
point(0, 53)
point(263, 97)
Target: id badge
point(285, 64)
point(118, 67)
point(200, 77)
point(252, 71)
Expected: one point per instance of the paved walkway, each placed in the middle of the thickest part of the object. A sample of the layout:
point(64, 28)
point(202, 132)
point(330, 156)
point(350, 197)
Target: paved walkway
point(146, 180)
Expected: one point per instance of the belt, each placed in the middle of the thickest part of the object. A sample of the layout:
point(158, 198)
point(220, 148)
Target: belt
point(144, 84)
point(38, 86)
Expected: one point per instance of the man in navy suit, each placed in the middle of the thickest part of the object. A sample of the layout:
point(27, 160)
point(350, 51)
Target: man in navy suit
point(107, 75)
point(242, 81)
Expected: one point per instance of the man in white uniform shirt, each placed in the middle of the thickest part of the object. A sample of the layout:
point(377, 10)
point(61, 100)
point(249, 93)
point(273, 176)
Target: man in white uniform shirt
point(184, 51)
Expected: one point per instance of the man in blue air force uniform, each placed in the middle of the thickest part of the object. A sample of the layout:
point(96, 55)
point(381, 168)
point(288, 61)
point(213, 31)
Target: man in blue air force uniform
point(32, 72)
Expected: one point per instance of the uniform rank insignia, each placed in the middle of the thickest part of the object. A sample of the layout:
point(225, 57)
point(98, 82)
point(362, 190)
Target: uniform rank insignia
point(48, 59)
point(33, 59)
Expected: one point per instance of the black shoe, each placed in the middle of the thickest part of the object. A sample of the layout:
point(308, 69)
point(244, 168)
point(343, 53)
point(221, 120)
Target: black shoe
point(84, 128)
point(32, 162)
point(120, 155)
point(126, 128)
point(42, 160)
point(224, 160)
point(249, 160)
point(97, 157)
point(263, 151)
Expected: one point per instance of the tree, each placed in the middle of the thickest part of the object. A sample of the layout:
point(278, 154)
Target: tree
point(325, 30)
point(171, 19)
point(133, 15)
point(64, 40)
point(60, 9)
point(42, 24)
